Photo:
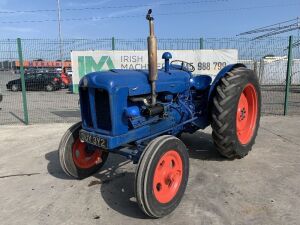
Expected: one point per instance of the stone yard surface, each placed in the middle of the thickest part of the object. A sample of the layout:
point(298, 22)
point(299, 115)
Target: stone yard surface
point(260, 189)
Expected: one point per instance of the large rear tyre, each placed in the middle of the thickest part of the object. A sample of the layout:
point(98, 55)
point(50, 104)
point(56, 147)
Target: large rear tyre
point(236, 113)
point(77, 158)
point(162, 176)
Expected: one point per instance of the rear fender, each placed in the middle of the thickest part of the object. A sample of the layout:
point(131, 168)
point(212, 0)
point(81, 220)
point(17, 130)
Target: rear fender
point(220, 75)
point(216, 81)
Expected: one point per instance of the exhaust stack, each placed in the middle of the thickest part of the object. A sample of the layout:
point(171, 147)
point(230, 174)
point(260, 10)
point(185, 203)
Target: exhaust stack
point(152, 57)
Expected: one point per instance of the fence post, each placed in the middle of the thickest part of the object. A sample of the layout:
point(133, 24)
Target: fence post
point(261, 70)
point(25, 111)
point(113, 43)
point(288, 75)
point(255, 67)
point(201, 43)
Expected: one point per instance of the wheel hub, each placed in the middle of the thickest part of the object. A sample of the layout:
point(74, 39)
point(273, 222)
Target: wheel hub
point(246, 114)
point(83, 157)
point(167, 176)
point(242, 114)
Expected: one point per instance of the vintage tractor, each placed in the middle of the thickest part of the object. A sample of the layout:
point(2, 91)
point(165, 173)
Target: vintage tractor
point(141, 113)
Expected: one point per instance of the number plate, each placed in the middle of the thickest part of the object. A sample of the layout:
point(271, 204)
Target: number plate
point(92, 139)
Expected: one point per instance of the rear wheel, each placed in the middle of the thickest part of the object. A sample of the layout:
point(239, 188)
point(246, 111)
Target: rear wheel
point(162, 176)
point(236, 113)
point(63, 86)
point(77, 158)
point(15, 87)
point(49, 87)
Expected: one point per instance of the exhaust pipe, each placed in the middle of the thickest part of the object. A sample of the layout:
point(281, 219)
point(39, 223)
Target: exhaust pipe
point(152, 57)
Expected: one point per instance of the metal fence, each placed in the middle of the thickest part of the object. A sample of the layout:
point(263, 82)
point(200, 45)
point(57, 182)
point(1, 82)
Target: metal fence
point(268, 57)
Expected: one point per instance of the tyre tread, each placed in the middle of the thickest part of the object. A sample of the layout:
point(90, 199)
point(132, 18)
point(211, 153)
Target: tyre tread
point(223, 105)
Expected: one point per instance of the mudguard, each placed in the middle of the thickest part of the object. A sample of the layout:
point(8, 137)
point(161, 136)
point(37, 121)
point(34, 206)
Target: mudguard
point(220, 75)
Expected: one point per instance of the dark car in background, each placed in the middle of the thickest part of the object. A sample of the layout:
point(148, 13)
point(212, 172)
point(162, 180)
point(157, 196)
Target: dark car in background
point(37, 82)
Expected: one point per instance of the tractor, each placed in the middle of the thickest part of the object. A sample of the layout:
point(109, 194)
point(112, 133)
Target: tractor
point(141, 114)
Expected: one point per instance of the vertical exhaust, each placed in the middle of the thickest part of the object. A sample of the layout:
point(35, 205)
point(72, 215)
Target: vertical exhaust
point(152, 57)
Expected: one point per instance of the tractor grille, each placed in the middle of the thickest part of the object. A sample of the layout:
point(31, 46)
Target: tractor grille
point(85, 107)
point(102, 108)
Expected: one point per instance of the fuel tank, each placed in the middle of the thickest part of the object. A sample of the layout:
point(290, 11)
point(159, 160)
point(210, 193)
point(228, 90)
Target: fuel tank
point(174, 81)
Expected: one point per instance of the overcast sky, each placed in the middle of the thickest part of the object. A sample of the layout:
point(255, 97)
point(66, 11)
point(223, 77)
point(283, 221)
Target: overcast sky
point(206, 19)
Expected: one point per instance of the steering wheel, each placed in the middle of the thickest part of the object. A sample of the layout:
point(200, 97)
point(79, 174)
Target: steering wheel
point(183, 65)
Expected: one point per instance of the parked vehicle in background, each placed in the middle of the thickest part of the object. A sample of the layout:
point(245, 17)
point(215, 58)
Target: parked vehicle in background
point(69, 72)
point(36, 82)
point(64, 77)
point(66, 80)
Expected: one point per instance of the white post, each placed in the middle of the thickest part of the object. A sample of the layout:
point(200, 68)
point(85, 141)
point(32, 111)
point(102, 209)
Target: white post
point(59, 33)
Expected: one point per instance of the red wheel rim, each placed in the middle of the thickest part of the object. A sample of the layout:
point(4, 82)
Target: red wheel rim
point(246, 114)
point(82, 157)
point(167, 176)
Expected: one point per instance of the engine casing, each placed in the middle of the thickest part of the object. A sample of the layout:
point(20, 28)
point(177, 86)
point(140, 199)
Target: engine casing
point(115, 104)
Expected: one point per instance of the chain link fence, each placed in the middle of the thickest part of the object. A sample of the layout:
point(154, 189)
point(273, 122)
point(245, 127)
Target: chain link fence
point(268, 57)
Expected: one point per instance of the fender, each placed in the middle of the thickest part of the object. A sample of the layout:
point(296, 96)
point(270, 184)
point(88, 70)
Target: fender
point(220, 75)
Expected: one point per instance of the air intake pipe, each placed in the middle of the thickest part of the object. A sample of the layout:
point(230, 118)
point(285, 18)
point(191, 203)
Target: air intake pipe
point(152, 57)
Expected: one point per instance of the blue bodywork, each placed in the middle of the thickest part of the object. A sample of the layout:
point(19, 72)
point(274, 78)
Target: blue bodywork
point(115, 105)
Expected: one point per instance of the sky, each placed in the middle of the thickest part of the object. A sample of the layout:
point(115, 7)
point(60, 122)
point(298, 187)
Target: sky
point(126, 18)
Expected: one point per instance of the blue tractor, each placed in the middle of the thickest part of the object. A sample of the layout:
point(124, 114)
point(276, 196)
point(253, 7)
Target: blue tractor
point(141, 113)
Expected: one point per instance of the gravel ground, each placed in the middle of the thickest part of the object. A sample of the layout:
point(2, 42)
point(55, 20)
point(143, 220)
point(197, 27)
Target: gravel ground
point(262, 188)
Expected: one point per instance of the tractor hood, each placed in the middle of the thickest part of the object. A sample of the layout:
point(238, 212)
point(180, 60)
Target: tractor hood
point(174, 81)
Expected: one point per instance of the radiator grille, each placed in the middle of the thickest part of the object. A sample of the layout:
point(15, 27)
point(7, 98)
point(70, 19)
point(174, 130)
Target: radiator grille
point(85, 107)
point(102, 108)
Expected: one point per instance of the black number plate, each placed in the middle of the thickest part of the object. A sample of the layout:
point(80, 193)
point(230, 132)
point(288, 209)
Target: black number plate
point(92, 139)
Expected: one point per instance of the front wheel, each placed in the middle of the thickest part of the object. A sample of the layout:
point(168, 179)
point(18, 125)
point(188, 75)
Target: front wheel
point(77, 158)
point(236, 113)
point(15, 88)
point(162, 176)
point(63, 86)
point(49, 87)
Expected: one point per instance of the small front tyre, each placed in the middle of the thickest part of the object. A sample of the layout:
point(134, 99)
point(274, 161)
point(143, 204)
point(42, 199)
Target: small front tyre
point(78, 159)
point(162, 176)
